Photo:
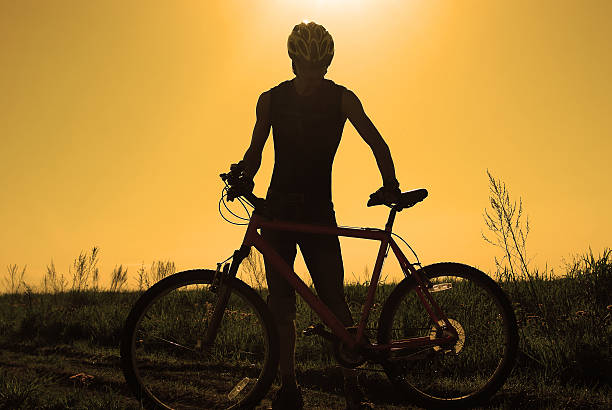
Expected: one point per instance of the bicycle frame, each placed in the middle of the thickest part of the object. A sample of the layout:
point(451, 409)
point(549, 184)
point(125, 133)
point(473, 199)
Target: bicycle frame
point(253, 238)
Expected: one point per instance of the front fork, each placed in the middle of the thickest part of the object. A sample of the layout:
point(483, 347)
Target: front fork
point(221, 286)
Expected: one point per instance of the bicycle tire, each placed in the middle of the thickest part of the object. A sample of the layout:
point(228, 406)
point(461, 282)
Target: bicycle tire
point(162, 357)
point(469, 372)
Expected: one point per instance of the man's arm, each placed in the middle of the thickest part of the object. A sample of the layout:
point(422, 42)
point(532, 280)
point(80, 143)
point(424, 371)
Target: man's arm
point(352, 108)
point(252, 157)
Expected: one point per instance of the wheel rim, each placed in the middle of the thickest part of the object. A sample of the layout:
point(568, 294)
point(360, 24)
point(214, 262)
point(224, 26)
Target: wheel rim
point(174, 367)
point(470, 366)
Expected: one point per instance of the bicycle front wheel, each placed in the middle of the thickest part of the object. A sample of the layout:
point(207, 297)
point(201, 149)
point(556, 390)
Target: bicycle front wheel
point(475, 367)
point(167, 362)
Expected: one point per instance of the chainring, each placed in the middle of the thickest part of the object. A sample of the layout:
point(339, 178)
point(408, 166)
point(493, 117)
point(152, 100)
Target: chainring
point(349, 358)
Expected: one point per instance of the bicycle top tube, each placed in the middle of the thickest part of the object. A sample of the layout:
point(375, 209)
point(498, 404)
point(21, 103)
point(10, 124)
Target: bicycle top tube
point(258, 222)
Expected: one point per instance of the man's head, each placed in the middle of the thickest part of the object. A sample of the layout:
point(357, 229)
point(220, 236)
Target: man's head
point(311, 49)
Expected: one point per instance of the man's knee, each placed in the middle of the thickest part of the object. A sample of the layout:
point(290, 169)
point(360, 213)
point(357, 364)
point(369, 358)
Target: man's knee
point(282, 308)
point(337, 304)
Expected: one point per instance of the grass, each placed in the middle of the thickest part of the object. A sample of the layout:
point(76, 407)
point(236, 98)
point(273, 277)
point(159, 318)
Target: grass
point(51, 342)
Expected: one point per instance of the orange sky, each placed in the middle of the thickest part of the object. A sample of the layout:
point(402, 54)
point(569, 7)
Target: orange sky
point(117, 116)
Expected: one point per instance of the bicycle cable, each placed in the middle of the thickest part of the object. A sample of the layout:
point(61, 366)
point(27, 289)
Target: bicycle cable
point(224, 203)
point(418, 262)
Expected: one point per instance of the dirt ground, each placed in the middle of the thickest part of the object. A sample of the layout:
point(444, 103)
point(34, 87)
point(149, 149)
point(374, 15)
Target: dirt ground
point(80, 376)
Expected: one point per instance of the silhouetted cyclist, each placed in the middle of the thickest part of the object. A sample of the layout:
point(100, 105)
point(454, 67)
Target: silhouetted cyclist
point(307, 116)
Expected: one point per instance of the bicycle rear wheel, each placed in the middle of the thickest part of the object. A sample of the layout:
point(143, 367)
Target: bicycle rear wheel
point(475, 367)
point(168, 365)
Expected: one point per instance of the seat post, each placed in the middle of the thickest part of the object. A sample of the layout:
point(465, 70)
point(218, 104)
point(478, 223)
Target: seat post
point(389, 225)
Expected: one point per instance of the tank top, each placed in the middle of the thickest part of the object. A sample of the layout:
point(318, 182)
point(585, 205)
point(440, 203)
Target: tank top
point(306, 133)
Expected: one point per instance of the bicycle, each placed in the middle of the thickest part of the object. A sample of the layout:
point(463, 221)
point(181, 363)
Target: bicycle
point(447, 334)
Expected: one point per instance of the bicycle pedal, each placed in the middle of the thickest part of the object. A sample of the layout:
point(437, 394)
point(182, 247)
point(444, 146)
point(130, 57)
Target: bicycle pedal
point(318, 330)
point(313, 330)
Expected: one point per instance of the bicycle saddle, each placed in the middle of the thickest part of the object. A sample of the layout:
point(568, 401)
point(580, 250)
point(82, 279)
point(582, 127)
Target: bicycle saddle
point(411, 198)
point(407, 199)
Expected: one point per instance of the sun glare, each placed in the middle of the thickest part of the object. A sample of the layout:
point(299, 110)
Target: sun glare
point(326, 6)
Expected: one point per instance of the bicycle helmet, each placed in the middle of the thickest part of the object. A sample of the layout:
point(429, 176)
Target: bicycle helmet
point(310, 43)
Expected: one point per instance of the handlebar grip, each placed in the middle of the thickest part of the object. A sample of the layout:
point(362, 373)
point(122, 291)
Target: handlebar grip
point(375, 199)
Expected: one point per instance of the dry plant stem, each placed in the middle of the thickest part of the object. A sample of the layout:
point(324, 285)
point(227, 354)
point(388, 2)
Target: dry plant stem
point(83, 268)
point(253, 268)
point(14, 280)
point(52, 282)
point(509, 230)
point(118, 278)
point(160, 270)
point(142, 279)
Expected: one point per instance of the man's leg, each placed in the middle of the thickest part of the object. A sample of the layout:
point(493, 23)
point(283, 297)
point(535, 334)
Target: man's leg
point(286, 363)
point(324, 261)
point(323, 258)
point(281, 301)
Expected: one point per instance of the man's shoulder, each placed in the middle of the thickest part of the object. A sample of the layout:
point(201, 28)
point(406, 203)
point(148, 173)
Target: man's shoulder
point(331, 83)
point(344, 91)
point(281, 85)
point(287, 84)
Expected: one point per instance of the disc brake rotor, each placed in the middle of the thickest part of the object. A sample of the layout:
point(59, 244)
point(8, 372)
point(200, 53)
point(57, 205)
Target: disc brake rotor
point(458, 346)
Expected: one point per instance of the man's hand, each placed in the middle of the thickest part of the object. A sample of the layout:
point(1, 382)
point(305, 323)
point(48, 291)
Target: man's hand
point(388, 194)
point(239, 183)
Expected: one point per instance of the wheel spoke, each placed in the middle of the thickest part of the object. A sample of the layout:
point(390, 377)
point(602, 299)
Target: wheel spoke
point(170, 342)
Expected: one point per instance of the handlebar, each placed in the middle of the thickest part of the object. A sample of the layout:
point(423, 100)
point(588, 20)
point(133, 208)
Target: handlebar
point(239, 184)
